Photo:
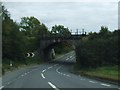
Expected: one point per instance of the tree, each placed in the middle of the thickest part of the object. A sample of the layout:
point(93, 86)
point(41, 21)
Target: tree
point(5, 13)
point(99, 49)
point(30, 25)
point(104, 32)
point(60, 30)
point(32, 29)
point(11, 39)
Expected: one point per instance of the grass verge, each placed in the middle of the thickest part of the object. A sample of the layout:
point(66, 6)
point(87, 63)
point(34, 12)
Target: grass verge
point(17, 65)
point(110, 73)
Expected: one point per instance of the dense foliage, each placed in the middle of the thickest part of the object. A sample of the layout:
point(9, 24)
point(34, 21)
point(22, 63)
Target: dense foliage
point(60, 30)
point(11, 39)
point(20, 38)
point(98, 49)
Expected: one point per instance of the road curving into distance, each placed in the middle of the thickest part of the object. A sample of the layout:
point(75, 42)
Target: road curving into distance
point(55, 75)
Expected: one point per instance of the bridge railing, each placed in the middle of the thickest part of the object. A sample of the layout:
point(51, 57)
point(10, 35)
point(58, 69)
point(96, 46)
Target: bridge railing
point(62, 37)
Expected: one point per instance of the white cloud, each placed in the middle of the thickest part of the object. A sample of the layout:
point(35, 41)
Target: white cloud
point(88, 15)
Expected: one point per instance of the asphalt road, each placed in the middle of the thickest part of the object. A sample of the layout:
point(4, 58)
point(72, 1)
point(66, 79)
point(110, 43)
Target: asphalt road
point(53, 75)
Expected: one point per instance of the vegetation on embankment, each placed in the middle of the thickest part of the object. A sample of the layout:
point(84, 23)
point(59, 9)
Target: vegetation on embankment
point(36, 60)
point(97, 54)
point(20, 38)
point(110, 73)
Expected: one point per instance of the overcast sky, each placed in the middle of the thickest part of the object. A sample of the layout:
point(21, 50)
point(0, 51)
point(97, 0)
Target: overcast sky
point(74, 15)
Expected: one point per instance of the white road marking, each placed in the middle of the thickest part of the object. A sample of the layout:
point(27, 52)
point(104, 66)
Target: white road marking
point(67, 59)
point(53, 86)
point(68, 75)
point(49, 67)
point(82, 79)
point(1, 87)
point(58, 69)
point(28, 72)
point(42, 75)
point(8, 83)
point(64, 74)
point(25, 73)
point(105, 85)
point(55, 64)
point(92, 81)
point(70, 56)
point(60, 72)
point(22, 75)
point(44, 70)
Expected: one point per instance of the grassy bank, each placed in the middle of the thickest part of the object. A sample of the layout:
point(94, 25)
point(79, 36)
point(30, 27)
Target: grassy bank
point(17, 65)
point(110, 73)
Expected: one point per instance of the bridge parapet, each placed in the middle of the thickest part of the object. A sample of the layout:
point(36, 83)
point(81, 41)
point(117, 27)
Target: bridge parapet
point(56, 37)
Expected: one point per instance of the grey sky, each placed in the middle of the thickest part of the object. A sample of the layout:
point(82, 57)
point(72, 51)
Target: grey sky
point(88, 15)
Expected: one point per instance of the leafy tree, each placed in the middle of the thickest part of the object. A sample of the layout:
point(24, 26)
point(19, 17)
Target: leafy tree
point(32, 29)
point(60, 30)
point(11, 39)
point(5, 13)
point(104, 32)
point(29, 25)
point(98, 50)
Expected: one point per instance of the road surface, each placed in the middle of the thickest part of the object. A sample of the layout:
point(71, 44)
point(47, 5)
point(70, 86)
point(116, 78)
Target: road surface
point(53, 75)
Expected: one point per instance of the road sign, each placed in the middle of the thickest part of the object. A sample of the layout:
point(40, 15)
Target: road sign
point(28, 54)
point(31, 54)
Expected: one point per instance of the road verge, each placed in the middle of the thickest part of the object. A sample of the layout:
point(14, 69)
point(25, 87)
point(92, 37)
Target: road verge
point(106, 74)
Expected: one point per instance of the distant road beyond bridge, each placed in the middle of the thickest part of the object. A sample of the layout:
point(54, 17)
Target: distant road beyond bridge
point(47, 43)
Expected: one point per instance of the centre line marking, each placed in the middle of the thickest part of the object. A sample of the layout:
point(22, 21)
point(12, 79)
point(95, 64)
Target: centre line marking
point(53, 86)
point(55, 64)
point(106, 85)
point(44, 70)
point(25, 73)
point(67, 58)
point(58, 69)
point(82, 79)
point(49, 67)
point(92, 81)
point(22, 75)
point(1, 87)
point(42, 75)
point(68, 75)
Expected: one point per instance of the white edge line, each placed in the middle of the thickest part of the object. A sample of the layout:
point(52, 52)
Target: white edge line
point(92, 81)
point(60, 72)
point(42, 75)
point(105, 85)
point(58, 69)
